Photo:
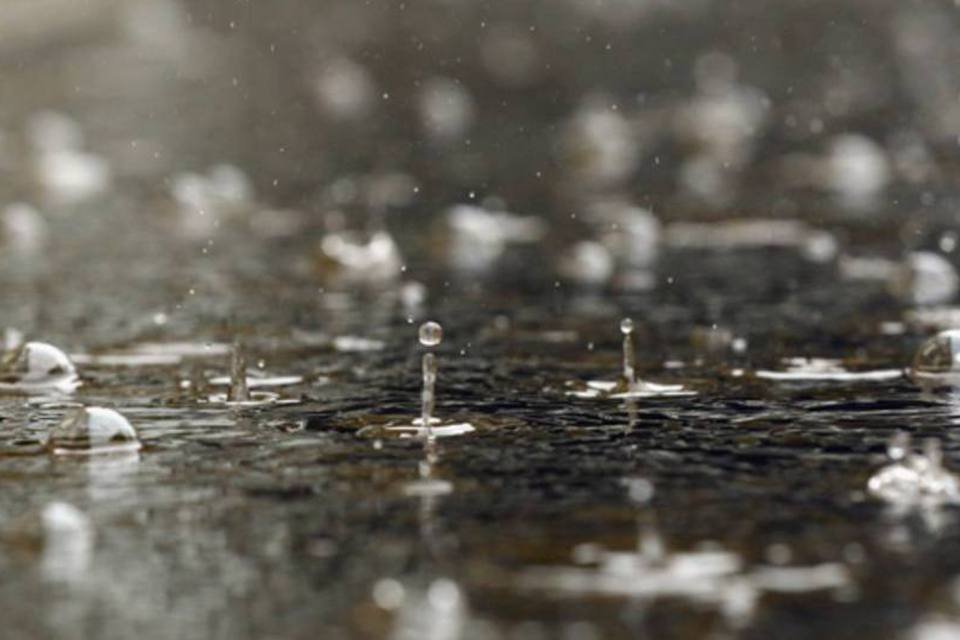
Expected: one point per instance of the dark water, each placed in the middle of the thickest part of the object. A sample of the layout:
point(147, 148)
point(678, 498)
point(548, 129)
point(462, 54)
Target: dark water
point(278, 521)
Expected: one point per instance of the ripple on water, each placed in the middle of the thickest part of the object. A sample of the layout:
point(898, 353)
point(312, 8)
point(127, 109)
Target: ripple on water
point(825, 370)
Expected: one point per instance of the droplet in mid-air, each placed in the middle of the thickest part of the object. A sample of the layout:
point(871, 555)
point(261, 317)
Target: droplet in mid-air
point(626, 326)
point(431, 334)
point(37, 368)
point(937, 362)
point(93, 430)
point(426, 426)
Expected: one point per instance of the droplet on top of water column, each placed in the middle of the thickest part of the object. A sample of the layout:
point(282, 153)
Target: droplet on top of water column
point(93, 430)
point(627, 386)
point(431, 334)
point(426, 426)
point(38, 367)
point(937, 362)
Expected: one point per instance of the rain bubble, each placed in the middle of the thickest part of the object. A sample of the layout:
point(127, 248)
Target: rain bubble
point(39, 367)
point(431, 334)
point(937, 361)
point(926, 278)
point(93, 430)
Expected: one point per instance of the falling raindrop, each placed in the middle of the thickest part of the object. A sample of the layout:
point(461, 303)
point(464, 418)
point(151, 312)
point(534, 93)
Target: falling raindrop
point(93, 430)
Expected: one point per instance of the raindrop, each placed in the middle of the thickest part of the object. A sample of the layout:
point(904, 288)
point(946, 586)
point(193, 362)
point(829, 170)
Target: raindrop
point(430, 334)
point(93, 430)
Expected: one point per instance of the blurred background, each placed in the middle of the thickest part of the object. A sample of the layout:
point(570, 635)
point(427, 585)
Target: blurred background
point(692, 109)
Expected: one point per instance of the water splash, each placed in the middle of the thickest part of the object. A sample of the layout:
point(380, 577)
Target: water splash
point(238, 392)
point(915, 479)
point(628, 386)
point(427, 426)
point(430, 335)
point(707, 575)
point(629, 356)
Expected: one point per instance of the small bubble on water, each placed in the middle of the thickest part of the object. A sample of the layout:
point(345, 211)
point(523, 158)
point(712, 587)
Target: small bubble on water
point(40, 365)
point(431, 334)
point(91, 430)
point(937, 361)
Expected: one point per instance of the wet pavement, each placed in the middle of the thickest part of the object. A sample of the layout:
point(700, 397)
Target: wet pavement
point(197, 191)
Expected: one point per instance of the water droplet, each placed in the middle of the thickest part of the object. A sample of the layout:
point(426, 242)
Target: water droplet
point(93, 430)
point(431, 334)
point(937, 362)
point(38, 367)
point(626, 326)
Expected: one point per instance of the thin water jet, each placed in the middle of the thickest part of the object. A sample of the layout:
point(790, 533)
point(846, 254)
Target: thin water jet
point(628, 386)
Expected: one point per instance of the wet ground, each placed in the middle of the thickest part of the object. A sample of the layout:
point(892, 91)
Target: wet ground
point(279, 520)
